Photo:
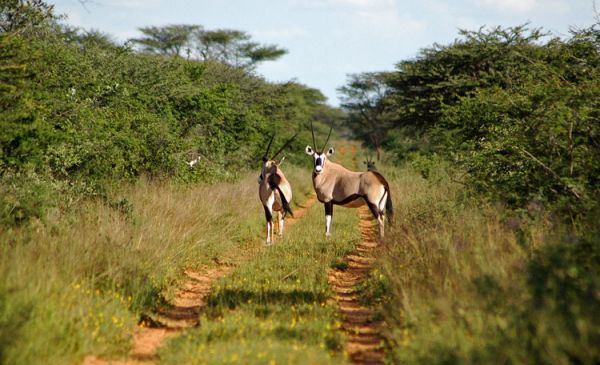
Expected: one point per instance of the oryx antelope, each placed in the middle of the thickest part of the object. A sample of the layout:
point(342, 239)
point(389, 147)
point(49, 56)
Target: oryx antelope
point(370, 164)
point(274, 190)
point(334, 184)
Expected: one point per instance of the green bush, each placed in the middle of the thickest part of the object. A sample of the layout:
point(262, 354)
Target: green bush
point(562, 318)
point(461, 281)
point(515, 108)
point(84, 113)
point(25, 195)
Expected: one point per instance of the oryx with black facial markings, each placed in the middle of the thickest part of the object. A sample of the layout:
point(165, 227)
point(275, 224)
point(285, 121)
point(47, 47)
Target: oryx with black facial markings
point(334, 184)
point(370, 163)
point(274, 190)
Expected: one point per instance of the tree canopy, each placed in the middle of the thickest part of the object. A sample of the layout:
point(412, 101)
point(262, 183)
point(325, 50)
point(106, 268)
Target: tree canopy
point(232, 47)
point(79, 112)
point(515, 107)
point(369, 114)
point(168, 40)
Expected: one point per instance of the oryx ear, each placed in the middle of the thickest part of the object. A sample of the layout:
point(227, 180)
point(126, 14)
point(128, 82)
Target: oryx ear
point(309, 151)
point(330, 151)
point(281, 161)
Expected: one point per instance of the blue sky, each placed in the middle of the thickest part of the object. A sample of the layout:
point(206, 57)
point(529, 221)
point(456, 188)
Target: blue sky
point(328, 39)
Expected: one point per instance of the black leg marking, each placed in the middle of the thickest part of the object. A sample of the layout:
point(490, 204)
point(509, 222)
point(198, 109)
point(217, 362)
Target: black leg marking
point(328, 208)
point(350, 199)
point(268, 214)
point(380, 200)
point(374, 209)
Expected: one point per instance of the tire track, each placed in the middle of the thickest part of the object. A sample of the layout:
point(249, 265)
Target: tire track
point(365, 342)
point(184, 311)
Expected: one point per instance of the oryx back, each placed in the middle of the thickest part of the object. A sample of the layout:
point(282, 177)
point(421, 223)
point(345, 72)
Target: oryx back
point(338, 185)
point(275, 190)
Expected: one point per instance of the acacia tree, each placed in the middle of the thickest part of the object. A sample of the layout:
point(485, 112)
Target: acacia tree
point(23, 15)
point(233, 47)
point(364, 98)
point(168, 40)
point(515, 109)
point(228, 46)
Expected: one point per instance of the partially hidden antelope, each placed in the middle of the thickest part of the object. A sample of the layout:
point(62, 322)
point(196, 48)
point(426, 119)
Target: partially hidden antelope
point(334, 184)
point(274, 190)
point(370, 163)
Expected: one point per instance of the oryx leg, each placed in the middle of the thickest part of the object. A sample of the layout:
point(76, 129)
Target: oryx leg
point(328, 217)
point(269, 217)
point(281, 215)
point(381, 219)
point(378, 214)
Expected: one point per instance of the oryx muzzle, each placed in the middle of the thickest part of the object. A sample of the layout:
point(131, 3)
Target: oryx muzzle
point(334, 184)
point(274, 190)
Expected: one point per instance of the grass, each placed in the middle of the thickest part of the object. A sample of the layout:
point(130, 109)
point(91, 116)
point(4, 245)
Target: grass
point(76, 282)
point(275, 308)
point(457, 281)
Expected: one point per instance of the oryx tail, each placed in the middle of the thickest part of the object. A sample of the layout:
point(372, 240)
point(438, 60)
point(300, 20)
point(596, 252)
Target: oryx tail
point(389, 206)
point(274, 181)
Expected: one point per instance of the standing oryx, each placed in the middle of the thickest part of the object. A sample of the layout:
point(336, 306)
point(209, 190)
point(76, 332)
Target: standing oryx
point(274, 190)
point(334, 184)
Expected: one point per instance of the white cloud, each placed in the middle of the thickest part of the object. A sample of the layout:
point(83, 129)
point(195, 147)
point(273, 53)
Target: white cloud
point(279, 34)
point(524, 6)
point(380, 17)
point(389, 24)
point(131, 4)
point(347, 6)
point(364, 4)
point(511, 6)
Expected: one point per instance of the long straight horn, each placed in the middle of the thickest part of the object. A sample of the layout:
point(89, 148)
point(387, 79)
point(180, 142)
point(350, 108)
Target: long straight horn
point(312, 131)
point(266, 155)
point(327, 141)
point(285, 145)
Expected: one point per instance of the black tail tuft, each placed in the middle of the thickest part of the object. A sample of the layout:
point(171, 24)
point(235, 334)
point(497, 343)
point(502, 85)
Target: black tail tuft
point(389, 207)
point(285, 203)
point(274, 181)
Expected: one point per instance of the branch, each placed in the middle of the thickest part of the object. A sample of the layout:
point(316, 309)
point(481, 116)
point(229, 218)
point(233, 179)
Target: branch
point(552, 172)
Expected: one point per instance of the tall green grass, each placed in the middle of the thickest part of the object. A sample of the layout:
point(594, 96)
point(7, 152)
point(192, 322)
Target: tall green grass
point(75, 282)
point(275, 308)
point(463, 281)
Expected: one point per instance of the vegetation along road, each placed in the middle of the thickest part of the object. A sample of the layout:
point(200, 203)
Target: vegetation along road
point(131, 230)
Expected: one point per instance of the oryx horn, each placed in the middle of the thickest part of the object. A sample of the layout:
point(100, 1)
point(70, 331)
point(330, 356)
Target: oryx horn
point(266, 155)
point(312, 131)
point(284, 146)
point(327, 141)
